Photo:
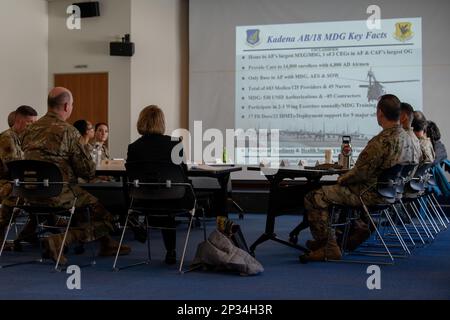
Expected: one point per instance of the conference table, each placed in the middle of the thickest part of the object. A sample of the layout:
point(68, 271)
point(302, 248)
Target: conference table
point(276, 176)
point(221, 172)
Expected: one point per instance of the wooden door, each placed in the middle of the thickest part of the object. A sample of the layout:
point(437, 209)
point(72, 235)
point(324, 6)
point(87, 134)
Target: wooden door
point(90, 95)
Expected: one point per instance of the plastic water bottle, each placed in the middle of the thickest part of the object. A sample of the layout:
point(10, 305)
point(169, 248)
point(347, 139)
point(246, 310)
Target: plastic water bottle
point(98, 154)
point(94, 156)
point(224, 155)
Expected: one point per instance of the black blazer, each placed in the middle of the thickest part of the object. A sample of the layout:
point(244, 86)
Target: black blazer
point(155, 148)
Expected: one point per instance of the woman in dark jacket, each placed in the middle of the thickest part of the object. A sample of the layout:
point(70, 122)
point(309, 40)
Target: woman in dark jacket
point(435, 136)
point(155, 147)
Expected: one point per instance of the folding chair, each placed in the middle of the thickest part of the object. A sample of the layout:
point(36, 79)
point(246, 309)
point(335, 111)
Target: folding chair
point(158, 190)
point(35, 182)
point(416, 198)
point(386, 187)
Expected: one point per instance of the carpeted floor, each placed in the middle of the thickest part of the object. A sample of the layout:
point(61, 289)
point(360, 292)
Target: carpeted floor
point(424, 275)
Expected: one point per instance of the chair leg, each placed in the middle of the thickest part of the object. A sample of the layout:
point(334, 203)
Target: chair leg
point(121, 241)
point(394, 228)
point(426, 205)
point(421, 220)
point(412, 222)
point(377, 231)
point(72, 212)
point(11, 219)
point(440, 208)
point(403, 225)
point(180, 270)
point(436, 211)
point(422, 213)
point(346, 233)
point(238, 207)
point(430, 219)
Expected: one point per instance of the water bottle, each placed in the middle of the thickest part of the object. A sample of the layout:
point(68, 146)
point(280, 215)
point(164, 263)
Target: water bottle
point(94, 156)
point(98, 154)
point(345, 158)
point(224, 155)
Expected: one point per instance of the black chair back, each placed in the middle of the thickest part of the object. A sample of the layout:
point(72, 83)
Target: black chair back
point(407, 174)
point(33, 179)
point(418, 183)
point(388, 181)
point(159, 185)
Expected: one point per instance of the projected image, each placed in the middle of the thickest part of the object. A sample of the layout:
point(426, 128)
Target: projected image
point(317, 82)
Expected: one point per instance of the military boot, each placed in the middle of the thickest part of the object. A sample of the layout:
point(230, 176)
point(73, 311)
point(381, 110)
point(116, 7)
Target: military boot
point(314, 244)
point(330, 251)
point(358, 234)
point(52, 244)
point(108, 247)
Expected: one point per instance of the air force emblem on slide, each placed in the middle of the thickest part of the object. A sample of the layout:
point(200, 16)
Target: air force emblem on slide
point(253, 37)
point(403, 31)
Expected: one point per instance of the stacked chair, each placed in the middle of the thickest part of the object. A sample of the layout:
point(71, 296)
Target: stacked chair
point(410, 217)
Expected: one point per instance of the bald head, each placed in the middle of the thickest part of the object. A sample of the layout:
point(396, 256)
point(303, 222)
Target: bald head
point(57, 97)
point(60, 101)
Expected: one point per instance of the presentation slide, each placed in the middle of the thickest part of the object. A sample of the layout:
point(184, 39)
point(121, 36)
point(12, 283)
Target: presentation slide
point(316, 82)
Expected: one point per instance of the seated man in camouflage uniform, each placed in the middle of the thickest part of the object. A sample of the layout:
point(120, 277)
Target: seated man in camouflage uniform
point(406, 120)
point(52, 139)
point(390, 147)
point(419, 127)
point(10, 149)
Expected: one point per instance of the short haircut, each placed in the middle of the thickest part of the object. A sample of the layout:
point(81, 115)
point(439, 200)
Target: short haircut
point(58, 101)
point(407, 109)
point(151, 120)
point(390, 107)
point(82, 126)
point(26, 111)
point(419, 115)
point(100, 124)
point(11, 119)
point(419, 125)
point(433, 131)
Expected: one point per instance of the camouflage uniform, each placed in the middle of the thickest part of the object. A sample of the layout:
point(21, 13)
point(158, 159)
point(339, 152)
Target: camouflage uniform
point(388, 148)
point(54, 140)
point(105, 151)
point(10, 150)
point(416, 144)
point(427, 150)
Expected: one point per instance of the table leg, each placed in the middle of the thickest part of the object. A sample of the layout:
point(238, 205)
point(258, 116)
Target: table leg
point(269, 233)
point(223, 182)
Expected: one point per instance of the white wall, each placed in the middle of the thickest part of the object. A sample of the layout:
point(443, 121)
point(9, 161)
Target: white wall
point(23, 55)
point(156, 74)
point(90, 46)
point(159, 69)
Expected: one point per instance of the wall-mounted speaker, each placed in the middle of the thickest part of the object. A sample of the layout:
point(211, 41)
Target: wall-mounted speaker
point(89, 9)
point(124, 49)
